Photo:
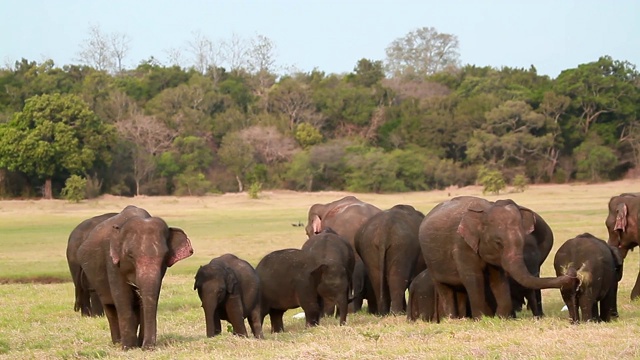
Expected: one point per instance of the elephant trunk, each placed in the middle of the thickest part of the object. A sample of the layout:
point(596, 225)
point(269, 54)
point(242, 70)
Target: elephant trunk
point(514, 264)
point(149, 294)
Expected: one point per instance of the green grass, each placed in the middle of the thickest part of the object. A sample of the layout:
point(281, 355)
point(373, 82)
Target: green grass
point(37, 319)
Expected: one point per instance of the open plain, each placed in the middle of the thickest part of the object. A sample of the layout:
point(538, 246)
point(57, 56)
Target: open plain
point(37, 320)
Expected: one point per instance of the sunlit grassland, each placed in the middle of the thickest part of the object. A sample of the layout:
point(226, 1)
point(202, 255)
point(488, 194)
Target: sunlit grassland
point(37, 320)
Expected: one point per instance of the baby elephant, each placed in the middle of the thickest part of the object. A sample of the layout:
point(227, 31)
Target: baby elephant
point(598, 267)
point(229, 289)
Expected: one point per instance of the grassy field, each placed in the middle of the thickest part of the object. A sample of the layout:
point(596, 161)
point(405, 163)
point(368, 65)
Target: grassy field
point(37, 320)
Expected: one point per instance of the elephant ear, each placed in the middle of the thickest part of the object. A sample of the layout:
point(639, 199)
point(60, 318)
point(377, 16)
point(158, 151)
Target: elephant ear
point(528, 219)
point(230, 279)
point(115, 245)
point(621, 217)
point(470, 227)
point(179, 246)
point(316, 224)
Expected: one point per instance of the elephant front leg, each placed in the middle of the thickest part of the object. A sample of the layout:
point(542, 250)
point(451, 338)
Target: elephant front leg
point(501, 291)
point(235, 315)
point(276, 320)
point(112, 318)
point(255, 323)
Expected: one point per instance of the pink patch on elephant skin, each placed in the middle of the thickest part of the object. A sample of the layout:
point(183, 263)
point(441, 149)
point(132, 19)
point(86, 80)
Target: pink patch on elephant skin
point(316, 225)
point(180, 249)
point(621, 218)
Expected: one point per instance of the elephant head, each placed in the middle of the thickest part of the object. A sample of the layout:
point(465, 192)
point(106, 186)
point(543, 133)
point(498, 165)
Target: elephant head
point(622, 222)
point(141, 251)
point(496, 232)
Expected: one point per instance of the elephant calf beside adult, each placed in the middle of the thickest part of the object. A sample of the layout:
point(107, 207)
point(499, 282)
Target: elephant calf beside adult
point(469, 243)
point(125, 258)
point(389, 247)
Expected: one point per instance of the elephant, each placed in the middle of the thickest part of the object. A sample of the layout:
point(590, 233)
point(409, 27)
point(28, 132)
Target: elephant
point(289, 279)
point(388, 246)
point(623, 224)
point(470, 242)
point(125, 258)
point(599, 269)
point(422, 298)
point(229, 289)
point(333, 251)
point(345, 216)
point(86, 301)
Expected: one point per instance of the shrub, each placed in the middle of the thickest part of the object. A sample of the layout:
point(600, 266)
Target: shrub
point(75, 189)
point(254, 190)
point(520, 183)
point(491, 180)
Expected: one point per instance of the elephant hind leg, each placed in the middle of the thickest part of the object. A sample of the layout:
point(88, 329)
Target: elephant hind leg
point(635, 292)
point(276, 320)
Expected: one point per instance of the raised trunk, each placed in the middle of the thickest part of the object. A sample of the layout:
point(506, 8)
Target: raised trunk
point(515, 266)
point(149, 294)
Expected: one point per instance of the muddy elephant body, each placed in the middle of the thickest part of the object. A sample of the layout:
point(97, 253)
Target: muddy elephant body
point(229, 289)
point(345, 216)
point(289, 279)
point(335, 285)
point(86, 300)
point(125, 258)
point(599, 268)
point(389, 248)
point(623, 225)
point(471, 244)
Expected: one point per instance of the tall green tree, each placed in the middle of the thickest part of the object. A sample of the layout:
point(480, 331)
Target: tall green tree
point(53, 135)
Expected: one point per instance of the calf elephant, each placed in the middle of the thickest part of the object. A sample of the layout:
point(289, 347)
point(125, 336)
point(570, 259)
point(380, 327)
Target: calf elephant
point(598, 267)
point(289, 279)
point(389, 247)
point(86, 300)
point(623, 224)
point(333, 251)
point(469, 243)
point(229, 289)
point(125, 258)
point(345, 216)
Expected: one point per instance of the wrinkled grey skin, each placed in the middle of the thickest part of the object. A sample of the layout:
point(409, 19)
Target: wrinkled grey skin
point(599, 268)
point(332, 250)
point(345, 216)
point(229, 289)
point(624, 231)
point(86, 301)
point(389, 247)
point(125, 258)
point(469, 243)
point(289, 279)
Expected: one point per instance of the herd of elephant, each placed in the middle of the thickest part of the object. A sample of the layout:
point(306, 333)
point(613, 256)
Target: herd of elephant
point(467, 257)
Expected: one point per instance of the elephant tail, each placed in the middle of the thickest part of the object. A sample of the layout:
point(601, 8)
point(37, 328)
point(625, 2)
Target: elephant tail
point(384, 304)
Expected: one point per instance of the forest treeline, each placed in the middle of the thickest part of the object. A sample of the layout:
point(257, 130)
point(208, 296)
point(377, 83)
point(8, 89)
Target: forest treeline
point(417, 120)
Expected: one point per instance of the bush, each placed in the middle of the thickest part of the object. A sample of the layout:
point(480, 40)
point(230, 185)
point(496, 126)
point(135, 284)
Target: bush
point(75, 189)
point(520, 183)
point(491, 180)
point(254, 190)
point(192, 184)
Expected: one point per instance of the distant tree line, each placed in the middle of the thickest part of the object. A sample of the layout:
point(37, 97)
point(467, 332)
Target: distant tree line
point(230, 120)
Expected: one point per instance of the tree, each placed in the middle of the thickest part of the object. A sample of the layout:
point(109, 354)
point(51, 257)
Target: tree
point(53, 135)
point(293, 98)
point(104, 52)
point(238, 156)
point(149, 137)
point(422, 52)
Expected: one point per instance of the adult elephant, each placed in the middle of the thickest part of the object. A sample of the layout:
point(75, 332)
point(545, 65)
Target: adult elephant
point(623, 224)
point(125, 258)
point(345, 216)
point(467, 239)
point(86, 301)
point(389, 247)
point(334, 252)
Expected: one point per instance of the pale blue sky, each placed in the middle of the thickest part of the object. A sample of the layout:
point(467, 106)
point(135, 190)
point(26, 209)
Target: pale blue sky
point(333, 35)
